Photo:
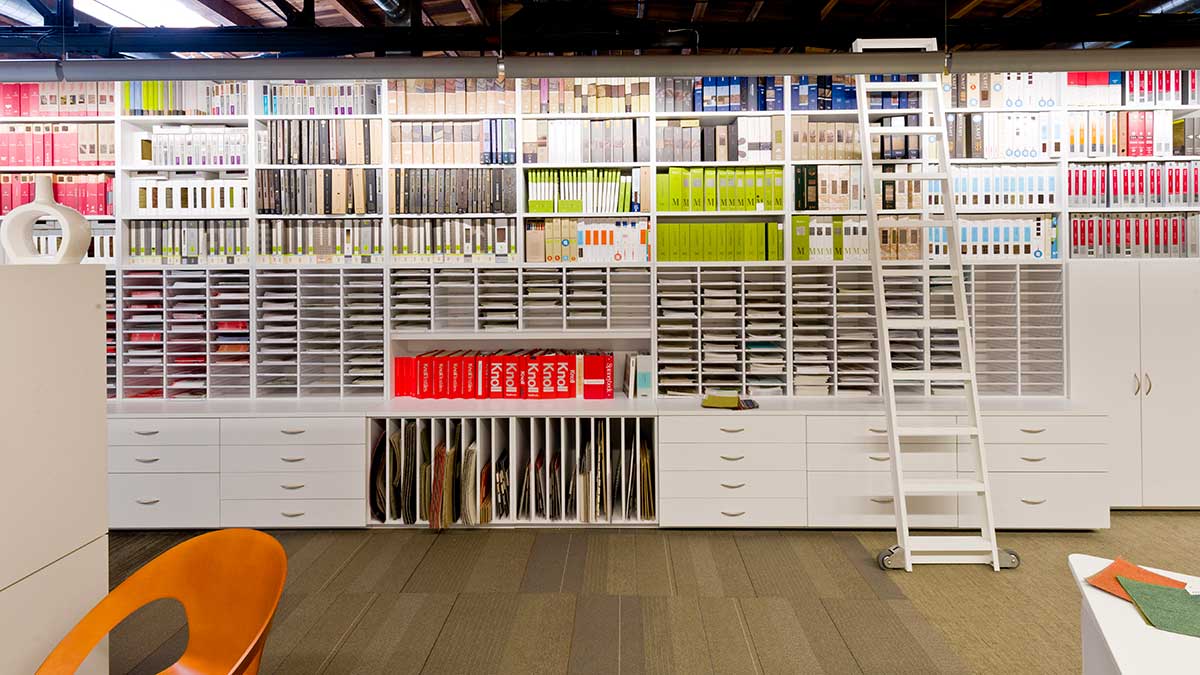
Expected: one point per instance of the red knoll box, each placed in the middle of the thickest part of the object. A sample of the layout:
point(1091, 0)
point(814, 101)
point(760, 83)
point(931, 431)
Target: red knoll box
point(597, 376)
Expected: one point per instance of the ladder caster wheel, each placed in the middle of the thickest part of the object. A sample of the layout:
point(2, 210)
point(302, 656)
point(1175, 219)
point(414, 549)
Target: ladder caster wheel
point(885, 559)
point(1009, 559)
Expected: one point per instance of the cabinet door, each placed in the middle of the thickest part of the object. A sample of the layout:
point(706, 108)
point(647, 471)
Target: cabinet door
point(1105, 364)
point(1171, 371)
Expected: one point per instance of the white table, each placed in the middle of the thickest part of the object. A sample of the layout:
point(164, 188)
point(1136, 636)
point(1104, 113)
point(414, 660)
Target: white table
point(1116, 639)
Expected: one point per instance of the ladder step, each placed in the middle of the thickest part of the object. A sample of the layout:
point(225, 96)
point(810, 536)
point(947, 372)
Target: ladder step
point(907, 131)
point(922, 175)
point(935, 375)
point(920, 85)
point(946, 544)
point(918, 324)
point(942, 486)
point(906, 432)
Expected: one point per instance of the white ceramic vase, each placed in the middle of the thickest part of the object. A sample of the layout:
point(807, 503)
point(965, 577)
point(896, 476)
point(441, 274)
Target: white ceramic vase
point(16, 230)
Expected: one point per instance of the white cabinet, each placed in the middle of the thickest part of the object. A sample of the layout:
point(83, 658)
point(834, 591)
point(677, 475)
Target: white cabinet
point(1135, 327)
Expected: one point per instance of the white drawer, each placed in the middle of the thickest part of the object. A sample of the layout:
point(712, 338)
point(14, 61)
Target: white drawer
point(1075, 501)
point(864, 499)
point(732, 512)
point(1037, 458)
point(865, 428)
point(293, 431)
point(164, 459)
point(168, 500)
point(294, 485)
point(1044, 429)
point(257, 458)
point(730, 456)
point(293, 513)
point(731, 484)
point(723, 428)
point(875, 457)
point(163, 431)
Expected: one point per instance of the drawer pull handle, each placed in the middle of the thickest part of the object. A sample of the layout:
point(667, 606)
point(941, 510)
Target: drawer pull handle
point(1033, 431)
point(146, 433)
point(1137, 381)
point(291, 514)
point(734, 514)
point(292, 459)
point(1034, 459)
point(291, 486)
point(292, 432)
point(1034, 502)
point(879, 458)
point(145, 460)
point(727, 458)
point(730, 486)
point(1149, 384)
point(733, 431)
point(882, 500)
point(147, 502)
point(876, 431)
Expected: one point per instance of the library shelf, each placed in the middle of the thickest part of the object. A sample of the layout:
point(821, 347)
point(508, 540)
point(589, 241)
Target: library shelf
point(482, 214)
point(451, 117)
point(186, 167)
point(50, 119)
point(719, 214)
point(319, 166)
point(464, 165)
point(522, 335)
point(261, 117)
point(1007, 160)
point(589, 115)
point(1133, 209)
point(586, 165)
point(718, 114)
point(73, 168)
point(237, 120)
point(305, 216)
point(1147, 158)
point(1001, 210)
point(583, 214)
point(721, 163)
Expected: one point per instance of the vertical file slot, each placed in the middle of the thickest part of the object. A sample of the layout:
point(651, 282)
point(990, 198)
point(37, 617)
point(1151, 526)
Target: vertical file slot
point(678, 335)
point(379, 470)
point(765, 330)
point(186, 334)
point(570, 461)
point(857, 338)
point(1042, 331)
point(521, 461)
point(502, 490)
point(722, 311)
point(277, 352)
point(229, 333)
point(412, 300)
point(363, 325)
point(486, 479)
point(813, 323)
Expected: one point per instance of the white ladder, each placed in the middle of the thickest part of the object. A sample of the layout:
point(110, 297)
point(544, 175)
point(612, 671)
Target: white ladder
point(910, 549)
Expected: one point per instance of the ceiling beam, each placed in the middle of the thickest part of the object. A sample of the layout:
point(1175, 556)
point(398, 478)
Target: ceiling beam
point(753, 15)
point(476, 14)
point(351, 11)
point(698, 10)
point(966, 9)
point(221, 12)
point(827, 8)
point(641, 9)
point(1020, 8)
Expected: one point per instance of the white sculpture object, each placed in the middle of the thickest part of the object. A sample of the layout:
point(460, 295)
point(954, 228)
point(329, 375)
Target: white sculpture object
point(16, 230)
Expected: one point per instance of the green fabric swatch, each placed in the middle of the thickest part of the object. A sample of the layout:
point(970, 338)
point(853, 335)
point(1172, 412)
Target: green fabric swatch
point(1169, 609)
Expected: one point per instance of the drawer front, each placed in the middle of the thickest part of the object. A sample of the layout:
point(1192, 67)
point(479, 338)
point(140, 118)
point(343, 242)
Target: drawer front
point(164, 459)
point(137, 501)
point(260, 458)
point(864, 499)
point(866, 428)
point(162, 431)
point(730, 456)
point(1043, 501)
point(294, 485)
point(731, 428)
point(875, 457)
point(1037, 458)
point(731, 484)
point(1044, 429)
point(293, 513)
point(294, 431)
point(733, 512)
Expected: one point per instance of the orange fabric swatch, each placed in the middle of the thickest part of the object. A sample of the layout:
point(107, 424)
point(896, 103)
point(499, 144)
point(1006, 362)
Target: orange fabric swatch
point(1106, 579)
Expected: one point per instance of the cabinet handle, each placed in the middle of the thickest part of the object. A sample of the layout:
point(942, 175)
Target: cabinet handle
point(733, 431)
point(291, 486)
point(1149, 384)
point(1034, 502)
point(876, 431)
point(291, 514)
point(882, 500)
point(145, 460)
point(1033, 431)
point(879, 458)
point(1034, 459)
point(292, 459)
point(292, 432)
point(1137, 382)
point(146, 433)
point(734, 514)
point(733, 459)
point(147, 502)
point(729, 486)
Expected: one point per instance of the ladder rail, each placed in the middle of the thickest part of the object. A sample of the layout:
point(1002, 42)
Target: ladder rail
point(932, 128)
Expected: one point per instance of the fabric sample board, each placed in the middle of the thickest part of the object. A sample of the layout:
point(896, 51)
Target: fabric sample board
point(1169, 609)
point(1106, 579)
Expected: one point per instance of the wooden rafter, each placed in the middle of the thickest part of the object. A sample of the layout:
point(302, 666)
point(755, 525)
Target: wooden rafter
point(698, 10)
point(476, 14)
point(828, 8)
point(753, 15)
point(1020, 8)
point(966, 9)
point(221, 12)
point(351, 11)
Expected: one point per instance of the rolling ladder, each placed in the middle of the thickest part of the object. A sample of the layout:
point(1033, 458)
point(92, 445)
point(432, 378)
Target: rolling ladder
point(916, 549)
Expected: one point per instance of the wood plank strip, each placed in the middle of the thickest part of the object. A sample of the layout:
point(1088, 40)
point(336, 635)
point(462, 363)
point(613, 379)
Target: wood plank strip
point(295, 618)
point(611, 564)
point(728, 647)
point(674, 636)
point(779, 639)
point(504, 558)
point(875, 636)
point(160, 659)
point(547, 561)
point(141, 634)
point(475, 633)
point(395, 636)
point(540, 638)
point(598, 629)
point(825, 561)
point(928, 637)
point(385, 562)
point(653, 574)
point(448, 563)
point(320, 644)
point(863, 560)
point(632, 637)
point(576, 564)
point(319, 560)
point(708, 564)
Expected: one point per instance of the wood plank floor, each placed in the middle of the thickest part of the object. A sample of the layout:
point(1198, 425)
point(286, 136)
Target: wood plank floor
point(648, 601)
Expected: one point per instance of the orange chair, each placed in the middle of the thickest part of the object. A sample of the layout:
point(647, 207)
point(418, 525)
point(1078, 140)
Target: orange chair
point(229, 583)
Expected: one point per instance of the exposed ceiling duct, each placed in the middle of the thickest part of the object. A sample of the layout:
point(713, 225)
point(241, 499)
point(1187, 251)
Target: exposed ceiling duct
point(21, 11)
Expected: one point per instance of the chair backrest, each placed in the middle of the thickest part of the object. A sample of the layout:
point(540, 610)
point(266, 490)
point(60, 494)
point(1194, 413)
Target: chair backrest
point(229, 583)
